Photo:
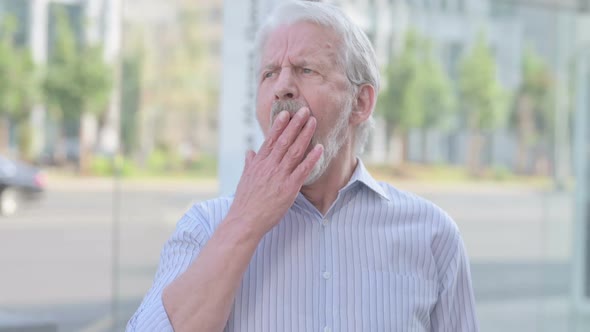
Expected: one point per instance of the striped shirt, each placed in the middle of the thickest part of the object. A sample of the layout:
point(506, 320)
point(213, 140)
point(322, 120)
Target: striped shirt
point(381, 259)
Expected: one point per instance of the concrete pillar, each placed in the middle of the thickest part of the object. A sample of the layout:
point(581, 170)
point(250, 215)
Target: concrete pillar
point(109, 137)
point(38, 24)
point(562, 161)
point(38, 29)
point(238, 128)
point(581, 255)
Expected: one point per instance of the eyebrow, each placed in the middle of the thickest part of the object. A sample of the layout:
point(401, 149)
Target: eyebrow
point(268, 67)
point(317, 63)
point(299, 63)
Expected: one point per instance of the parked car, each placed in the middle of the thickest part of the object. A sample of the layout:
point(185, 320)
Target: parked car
point(19, 183)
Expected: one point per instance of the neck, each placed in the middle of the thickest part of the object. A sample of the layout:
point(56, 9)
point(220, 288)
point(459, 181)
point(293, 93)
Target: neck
point(323, 192)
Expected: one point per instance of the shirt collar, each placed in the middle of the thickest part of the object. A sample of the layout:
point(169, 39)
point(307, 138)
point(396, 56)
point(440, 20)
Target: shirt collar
point(363, 176)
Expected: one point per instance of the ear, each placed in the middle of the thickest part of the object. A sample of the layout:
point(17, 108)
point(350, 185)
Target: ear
point(365, 102)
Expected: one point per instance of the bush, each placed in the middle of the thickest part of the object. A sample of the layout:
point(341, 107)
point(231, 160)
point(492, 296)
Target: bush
point(163, 160)
point(204, 165)
point(501, 173)
point(126, 166)
point(101, 166)
point(104, 166)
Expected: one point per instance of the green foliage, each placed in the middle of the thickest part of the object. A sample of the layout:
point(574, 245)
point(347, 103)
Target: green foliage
point(537, 88)
point(164, 160)
point(418, 92)
point(25, 140)
point(180, 78)
point(18, 86)
point(105, 166)
point(130, 100)
point(78, 80)
point(481, 95)
point(438, 98)
point(101, 166)
point(501, 173)
point(180, 81)
point(396, 101)
point(160, 164)
point(205, 165)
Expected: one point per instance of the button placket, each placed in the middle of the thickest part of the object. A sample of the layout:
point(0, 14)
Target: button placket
point(325, 274)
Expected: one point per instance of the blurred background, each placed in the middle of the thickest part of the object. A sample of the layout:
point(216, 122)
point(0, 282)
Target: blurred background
point(117, 115)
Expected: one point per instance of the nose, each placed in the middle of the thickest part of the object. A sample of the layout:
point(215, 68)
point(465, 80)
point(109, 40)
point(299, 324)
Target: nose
point(286, 86)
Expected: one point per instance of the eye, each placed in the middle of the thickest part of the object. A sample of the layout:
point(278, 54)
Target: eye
point(267, 74)
point(307, 71)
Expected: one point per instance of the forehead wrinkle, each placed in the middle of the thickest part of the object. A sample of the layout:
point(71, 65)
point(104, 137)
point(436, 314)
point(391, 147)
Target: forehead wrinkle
point(286, 40)
point(321, 57)
point(287, 48)
point(272, 49)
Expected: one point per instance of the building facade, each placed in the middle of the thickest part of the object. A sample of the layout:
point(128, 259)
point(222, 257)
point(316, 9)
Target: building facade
point(510, 27)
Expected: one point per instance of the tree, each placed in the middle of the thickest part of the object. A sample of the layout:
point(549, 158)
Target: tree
point(482, 99)
point(18, 90)
point(437, 101)
point(418, 93)
point(130, 99)
point(78, 83)
point(397, 102)
point(531, 115)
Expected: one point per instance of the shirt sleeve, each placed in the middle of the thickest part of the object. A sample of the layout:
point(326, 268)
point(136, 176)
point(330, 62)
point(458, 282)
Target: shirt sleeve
point(455, 308)
point(178, 252)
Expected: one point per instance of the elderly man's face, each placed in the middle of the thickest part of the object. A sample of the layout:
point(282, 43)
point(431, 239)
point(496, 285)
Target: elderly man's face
point(300, 67)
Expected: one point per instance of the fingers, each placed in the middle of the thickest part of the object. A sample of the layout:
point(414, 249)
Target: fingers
point(290, 133)
point(281, 122)
point(297, 150)
point(249, 156)
point(303, 170)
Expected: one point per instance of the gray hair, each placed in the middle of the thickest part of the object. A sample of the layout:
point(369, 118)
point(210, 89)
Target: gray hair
point(358, 56)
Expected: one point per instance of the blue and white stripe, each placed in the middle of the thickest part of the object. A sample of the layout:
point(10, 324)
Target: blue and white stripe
point(380, 260)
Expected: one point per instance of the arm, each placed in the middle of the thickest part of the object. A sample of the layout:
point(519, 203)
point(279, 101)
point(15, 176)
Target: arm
point(201, 297)
point(455, 308)
point(178, 253)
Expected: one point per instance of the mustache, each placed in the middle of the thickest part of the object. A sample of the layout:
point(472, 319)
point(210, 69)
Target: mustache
point(291, 106)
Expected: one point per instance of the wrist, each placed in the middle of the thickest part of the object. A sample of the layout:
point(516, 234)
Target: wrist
point(240, 230)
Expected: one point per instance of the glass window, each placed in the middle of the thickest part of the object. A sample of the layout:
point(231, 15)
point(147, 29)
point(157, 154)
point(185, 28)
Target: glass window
point(486, 152)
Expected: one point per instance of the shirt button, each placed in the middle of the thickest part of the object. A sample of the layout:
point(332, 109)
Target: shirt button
point(327, 329)
point(326, 275)
point(325, 222)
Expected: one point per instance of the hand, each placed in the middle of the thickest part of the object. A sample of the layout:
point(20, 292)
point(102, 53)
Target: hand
point(272, 177)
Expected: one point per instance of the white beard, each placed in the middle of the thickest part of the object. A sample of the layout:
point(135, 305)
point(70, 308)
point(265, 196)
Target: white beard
point(332, 143)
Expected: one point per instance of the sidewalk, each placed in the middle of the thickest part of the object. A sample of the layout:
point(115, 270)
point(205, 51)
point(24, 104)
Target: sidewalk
point(209, 185)
point(72, 183)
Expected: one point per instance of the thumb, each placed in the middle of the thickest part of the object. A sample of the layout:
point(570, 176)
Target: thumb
point(249, 156)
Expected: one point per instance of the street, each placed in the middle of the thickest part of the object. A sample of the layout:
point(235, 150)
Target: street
point(57, 255)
